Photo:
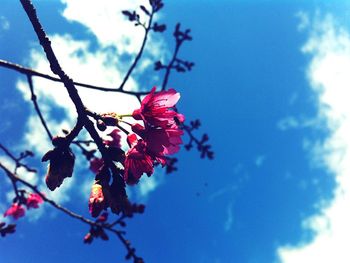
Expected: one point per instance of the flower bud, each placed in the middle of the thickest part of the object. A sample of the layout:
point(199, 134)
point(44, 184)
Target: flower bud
point(101, 125)
point(16, 211)
point(102, 218)
point(103, 235)
point(5, 230)
point(97, 200)
point(61, 166)
point(88, 238)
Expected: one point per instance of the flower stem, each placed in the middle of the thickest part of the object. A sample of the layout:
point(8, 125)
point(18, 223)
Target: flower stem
point(124, 115)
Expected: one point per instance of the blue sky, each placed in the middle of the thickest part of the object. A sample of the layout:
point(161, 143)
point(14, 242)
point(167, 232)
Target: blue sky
point(270, 87)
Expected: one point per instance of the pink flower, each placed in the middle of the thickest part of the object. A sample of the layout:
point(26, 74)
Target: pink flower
point(115, 142)
point(96, 164)
point(157, 108)
point(160, 141)
point(34, 200)
point(16, 211)
point(137, 161)
point(97, 200)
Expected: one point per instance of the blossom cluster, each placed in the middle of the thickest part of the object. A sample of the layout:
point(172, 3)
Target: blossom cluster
point(17, 209)
point(159, 136)
point(155, 134)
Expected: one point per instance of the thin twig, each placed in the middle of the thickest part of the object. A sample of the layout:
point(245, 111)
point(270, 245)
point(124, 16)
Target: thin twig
point(36, 106)
point(8, 153)
point(170, 66)
point(137, 58)
point(16, 160)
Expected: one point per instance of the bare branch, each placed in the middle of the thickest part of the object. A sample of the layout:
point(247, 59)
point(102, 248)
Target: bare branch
point(120, 234)
point(138, 56)
point(26, 71)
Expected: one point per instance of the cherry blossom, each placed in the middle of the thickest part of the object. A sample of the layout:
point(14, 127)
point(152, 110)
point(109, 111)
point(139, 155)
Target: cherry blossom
point(34, 200)
point(161, 141)
point(16, 211)
point(137, 161)
point(157, 109)
point(97, 200)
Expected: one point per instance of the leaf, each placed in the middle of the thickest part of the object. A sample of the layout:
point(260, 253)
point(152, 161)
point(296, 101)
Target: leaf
point(127, 13)
point(159, 28)
point(131, 16)
point(158, 65)
point(143, 8)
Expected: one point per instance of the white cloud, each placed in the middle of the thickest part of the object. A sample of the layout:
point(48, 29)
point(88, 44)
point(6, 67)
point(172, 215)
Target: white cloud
point(230, 218)
point(259, 160)
point(4, 23)
point(104, 20)
point(288, 123)
point(292, 122)
point(147, 185)
point(304, 20)
point(329, 77)
point(294, 98)
point(111, 29)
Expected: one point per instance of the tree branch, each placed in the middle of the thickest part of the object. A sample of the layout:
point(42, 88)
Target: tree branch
point(14, 178)
point(68, 82)
point(26, 71)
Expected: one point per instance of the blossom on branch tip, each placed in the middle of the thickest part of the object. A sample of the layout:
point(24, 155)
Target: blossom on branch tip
point(157, 108)
point(102, 218)
point(88, 238)
point(16, 211)
point(34, 200)
point(96, 200)
point(137, 160)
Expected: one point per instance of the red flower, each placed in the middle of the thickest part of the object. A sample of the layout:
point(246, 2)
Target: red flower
point(137, 161)
point(160, 141)
point(96, 164)
point(157, 108)
point(16, 211)
point(115, 142)
point(97, 200)
point(33, 201)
